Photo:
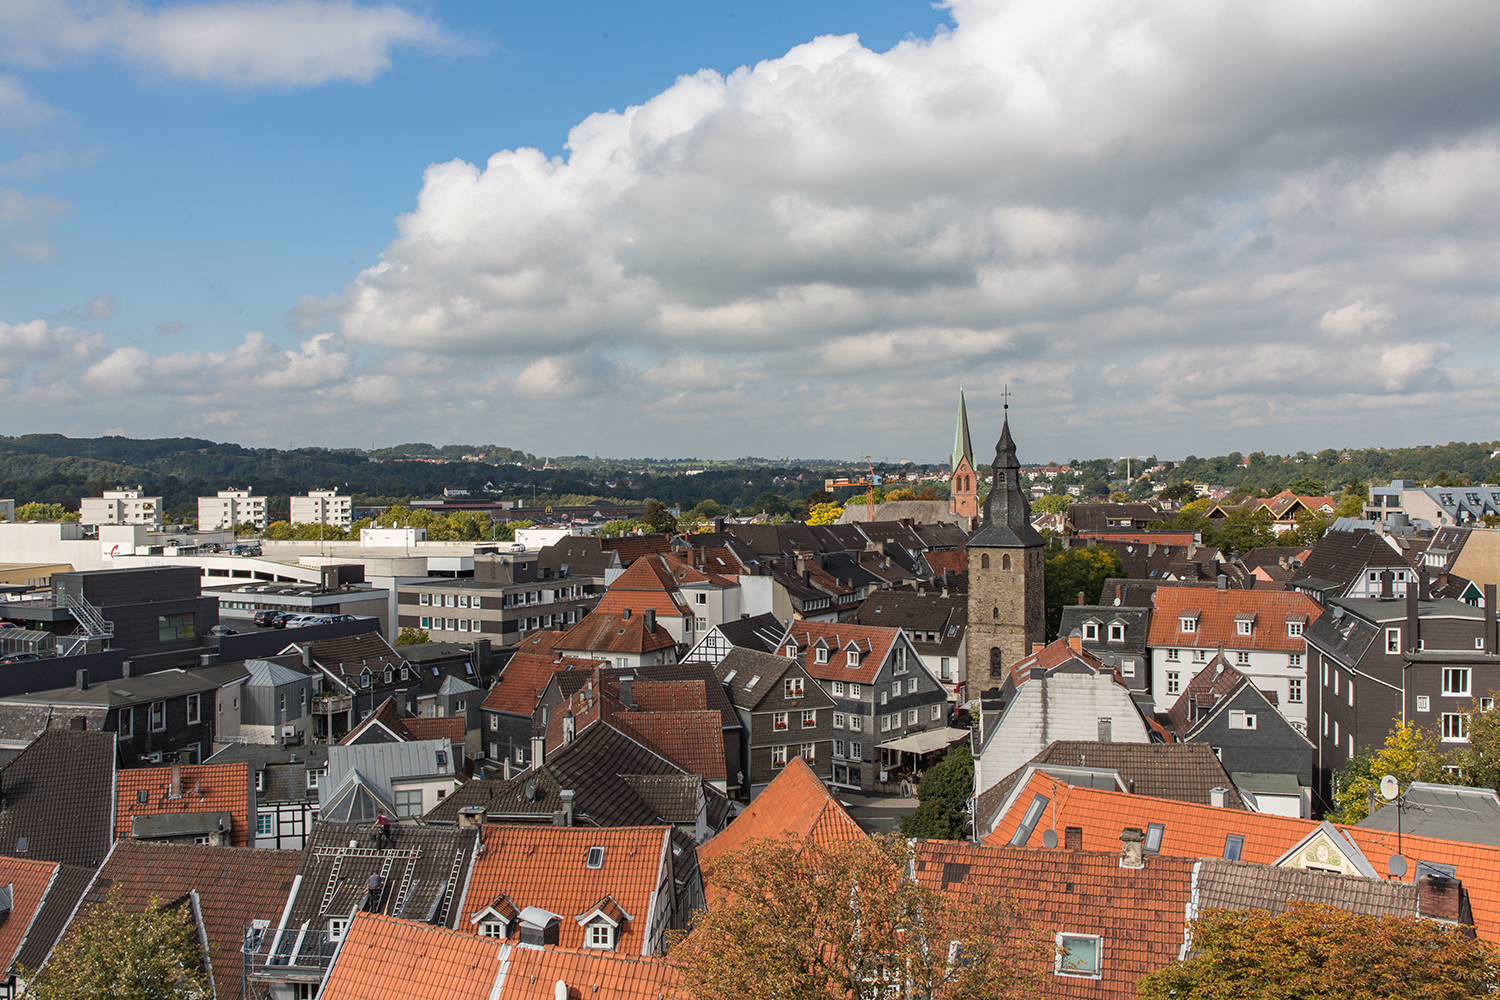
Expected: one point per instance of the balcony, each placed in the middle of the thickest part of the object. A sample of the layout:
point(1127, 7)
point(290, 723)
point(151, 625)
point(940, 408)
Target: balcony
point(290, 955)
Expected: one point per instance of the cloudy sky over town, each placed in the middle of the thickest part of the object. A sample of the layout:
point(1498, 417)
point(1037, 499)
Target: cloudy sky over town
point(675, 229)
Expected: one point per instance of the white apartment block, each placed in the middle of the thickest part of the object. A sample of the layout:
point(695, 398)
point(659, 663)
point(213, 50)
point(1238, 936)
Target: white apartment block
point(323, 506)
point(231, 508)
point(121, 507)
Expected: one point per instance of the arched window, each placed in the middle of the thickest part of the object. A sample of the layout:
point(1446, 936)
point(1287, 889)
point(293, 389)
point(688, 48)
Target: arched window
point(1005, 561)
point(997, 662)
point(984, 561)
point(995, 613)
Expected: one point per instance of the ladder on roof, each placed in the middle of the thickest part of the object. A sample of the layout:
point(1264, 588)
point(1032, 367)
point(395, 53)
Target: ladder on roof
point(333, 883)
point(399, 909)
point(458, 864)
point(385, 874)
point(406, 878)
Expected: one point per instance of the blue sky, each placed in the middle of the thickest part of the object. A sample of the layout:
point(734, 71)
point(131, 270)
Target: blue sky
point(1170, 227)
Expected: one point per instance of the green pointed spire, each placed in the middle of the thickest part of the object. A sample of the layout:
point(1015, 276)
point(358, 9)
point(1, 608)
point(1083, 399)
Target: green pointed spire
point(962, 448)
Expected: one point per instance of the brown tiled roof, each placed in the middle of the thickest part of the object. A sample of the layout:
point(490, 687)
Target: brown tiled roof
point(589, 973)
point(692, 740)
point(407, 960)
point(648, 585)
point(450, 727)
point(796, 801)
point(350, 654)
point(950, 561)
point(205, 788)
point(668, 696)
point(1215, 611)
point(1240, 885)
point(387, 714)
point(540, 642)
point(633, 547)
point(606, 633)
point(1339, 556)
point(545, 866)
point(235, 886)
point(715, 698)
point(1138, 912)
point(524, 679)
point(60, 796)
point(874, 645)
point(1209, 686)
point(29, 881)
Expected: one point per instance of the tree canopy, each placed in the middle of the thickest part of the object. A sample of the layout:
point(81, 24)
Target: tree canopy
point(791, 919)
point(1323, 953)
point(1068, 571)
point(943, 795)
point(1410, 753)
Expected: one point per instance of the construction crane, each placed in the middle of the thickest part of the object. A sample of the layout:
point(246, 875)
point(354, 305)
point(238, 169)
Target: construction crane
point(869, 482)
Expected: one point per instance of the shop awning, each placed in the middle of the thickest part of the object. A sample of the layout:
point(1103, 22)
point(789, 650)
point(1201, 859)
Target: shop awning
point(926, 741)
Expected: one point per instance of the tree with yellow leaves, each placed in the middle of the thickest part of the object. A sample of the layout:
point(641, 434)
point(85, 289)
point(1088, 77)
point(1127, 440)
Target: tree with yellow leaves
point(825, 513)
point(1410, 753)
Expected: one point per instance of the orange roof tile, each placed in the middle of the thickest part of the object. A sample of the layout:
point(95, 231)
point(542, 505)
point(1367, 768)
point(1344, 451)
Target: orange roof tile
point(398, 959)
point(874, 644)
point(1215, 611)
point(668, 696)
point(1198, 831)
point(694, 741)
point(1054, 655)
point(205, 788)
point(29, 881)
point(450, 727)
point(648, 585)
point(525, 677)
point(951, 561)
point(600, 632)
point(545, 866)
point(590, 974)
point(796, 801)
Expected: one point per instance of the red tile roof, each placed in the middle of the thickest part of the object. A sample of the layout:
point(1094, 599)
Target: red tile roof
point(1197, 831)
point(873, 642)
point(600, 632)
point(525, 677)
point(694, 741)
point(950, 561)
point(29, 881)
point(590, 974)
point(1215, 611)
point(633, 547)
point(668, 696)
point(545, 866)
point(796, 801)
point(205, 788)
point(398, 959)
point(450, 727)
point(648, 585)
point(1057, 654)
point(235, 886)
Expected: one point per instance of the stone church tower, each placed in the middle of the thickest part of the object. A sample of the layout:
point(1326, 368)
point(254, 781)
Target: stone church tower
point(1006, 590)
point(964, 482)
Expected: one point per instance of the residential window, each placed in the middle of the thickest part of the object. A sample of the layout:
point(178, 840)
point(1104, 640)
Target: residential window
point(1174, 655)
point(1241, 720)
point(450, 600)
point(1243, 626)
point(1030, 820)
point(336, 928)
point(1486, 704)
point(1241, 657)
point(792, 687)
point(264, 824)
point(937, 713)
point(1127, 668)
point(856, 752)
point(838, 720)
point(601, 935)
point(808, 752)
point(158, 716)
point(779, 722)
point(494, 723)
point(491, 929)
point(851, 658)
point(1174, 682)
point(895, 689)
point(426, 621)
point(408, 801)
point(1154, 834)
point(885, 723)
point(463, 625)
point(1200, 655)
point(856, 723)
point(1294, 690)
point(1456, 681)
point(945, 667)
point(911, 685)
point(838, 689)
point(838, 748)
point(1234, 846)
point(1454, 729)
point(313, 775)
point(260, 781)
point(778, 756)
point(911, 717)
point(700, 623)
point(1117, 633)
point(809, 719)
point(520, 754)
point(1293, 629)
point(1078, 955)
point(195, 708)
point(1393, 640)
point(1188, 624)
point(900, 660)
point(700, 598)
point(885, 697)
point(1294, 659)
point(1091, 631)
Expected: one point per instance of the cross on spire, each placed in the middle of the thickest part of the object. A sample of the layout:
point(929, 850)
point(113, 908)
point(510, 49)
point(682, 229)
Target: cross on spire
point(1005, 395)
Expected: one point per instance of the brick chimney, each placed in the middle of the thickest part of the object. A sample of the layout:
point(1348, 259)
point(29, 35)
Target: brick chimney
point(1073, 838)
point(1440, 898)
point(1132, 848)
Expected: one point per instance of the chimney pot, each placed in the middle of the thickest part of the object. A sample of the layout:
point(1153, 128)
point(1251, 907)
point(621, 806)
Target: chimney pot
point(82, 677)
point(1217, 797)
point(176, 780)
point(1073, 838)
point(650, 620)
point(1082, 599)
point(567, 800)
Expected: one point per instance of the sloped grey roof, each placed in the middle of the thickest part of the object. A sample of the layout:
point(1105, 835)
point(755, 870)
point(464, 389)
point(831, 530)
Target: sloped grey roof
point(382, 763)
point(455, 685)
point(271, 673)
point(1240, 885)
point(748, 675)
point(1448, 812)
point(921, 511)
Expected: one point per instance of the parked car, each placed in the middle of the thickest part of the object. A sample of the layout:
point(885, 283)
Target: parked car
point(222, 630)
point(340, 618)
point(19, 658)
point(245, 550)
point(298, 621)
point(282, 618)
point(265, 619)
point(10, 625)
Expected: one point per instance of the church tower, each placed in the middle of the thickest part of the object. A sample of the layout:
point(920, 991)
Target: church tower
point(963, 483)
point(1006, 590)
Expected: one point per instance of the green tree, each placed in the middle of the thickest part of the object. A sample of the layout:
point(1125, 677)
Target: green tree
point(943, 796)
point(1068, 571)
point(1242, 530)
point(1052, 503)
point(1317, 952)
point(1307, 486)
point(614, 529)
point(769, 503)
point(1179, 493)
point(1410, 753)
point(825, 513)
point(1352, 500)
point(791, 919)
point(1310, 527)
point(658, 519)
point(411, 636)
point(44, 512)
point(1479, 760)
point(112, 952)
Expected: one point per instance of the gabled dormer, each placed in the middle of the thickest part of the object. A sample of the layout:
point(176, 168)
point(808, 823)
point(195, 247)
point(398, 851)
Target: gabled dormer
point(820, 650)
point(498, 920)
point(603, 923)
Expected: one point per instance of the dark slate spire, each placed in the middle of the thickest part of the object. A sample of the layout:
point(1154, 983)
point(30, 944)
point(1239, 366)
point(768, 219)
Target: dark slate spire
point(1007, 512)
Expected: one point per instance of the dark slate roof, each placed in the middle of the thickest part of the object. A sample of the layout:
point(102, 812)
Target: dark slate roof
point(1345, 637)
point(748, 676)
point(1158, 561)
point(1240, 885)
point(1141, 593)
point(60, 796)
point(262, 754)
point(348, 655)
point(437, 652)
point(22, 722)
point(475, 792)
point(437, 848)
point(582, 554)
point(1137, 623)
point(1272, 557)
point(57, 909)
point(673, 796)
point(919, 611)
point(134, 690)
point(1096, 516)
point(1447, 812)
point(1340, 556)
point(762, 633)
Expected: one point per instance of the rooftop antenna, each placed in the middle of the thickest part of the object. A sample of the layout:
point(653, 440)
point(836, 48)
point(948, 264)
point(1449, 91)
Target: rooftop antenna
point(1390, 790)
point(1049, 837)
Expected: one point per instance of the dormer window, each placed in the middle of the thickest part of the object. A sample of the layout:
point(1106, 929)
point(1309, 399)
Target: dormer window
point(820, 655)
point(1188, 623)
point(1116, 632)
point(601, 935)
point(491, 929)
point(1090, 631)
point(852, 658)
point(791, 650)
point(1243, 626)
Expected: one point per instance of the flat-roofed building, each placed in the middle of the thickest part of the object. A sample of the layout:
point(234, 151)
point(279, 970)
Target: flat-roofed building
point(323, 506)
point(230, 509)
point(121, 507)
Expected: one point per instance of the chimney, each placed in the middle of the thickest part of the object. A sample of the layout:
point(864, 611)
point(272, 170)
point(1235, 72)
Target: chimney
point(1422, 592)
point(1413, 636)
point(208, 659)
point(1222, 581)
point(569, 727)
point(82, 677)
point(307, 661)
point(1132, 848)
point(176, 780)
point(718, 525)
point(1082, 598)
point(567, 800)
point(1073, 838)
point(1490, 646)
point(125, 668)
point(1075, 641)
point(625, 614)
point(1387, 591)
point(650, 620)
point(1217, 796)
point(538, 750)
point(625, 692)
point(1439, 897)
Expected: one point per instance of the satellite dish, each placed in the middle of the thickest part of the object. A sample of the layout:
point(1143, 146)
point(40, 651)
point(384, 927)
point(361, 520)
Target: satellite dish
point(560, 991)
point(1390, 788)
point(1049, 839)
point(1397, 865)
